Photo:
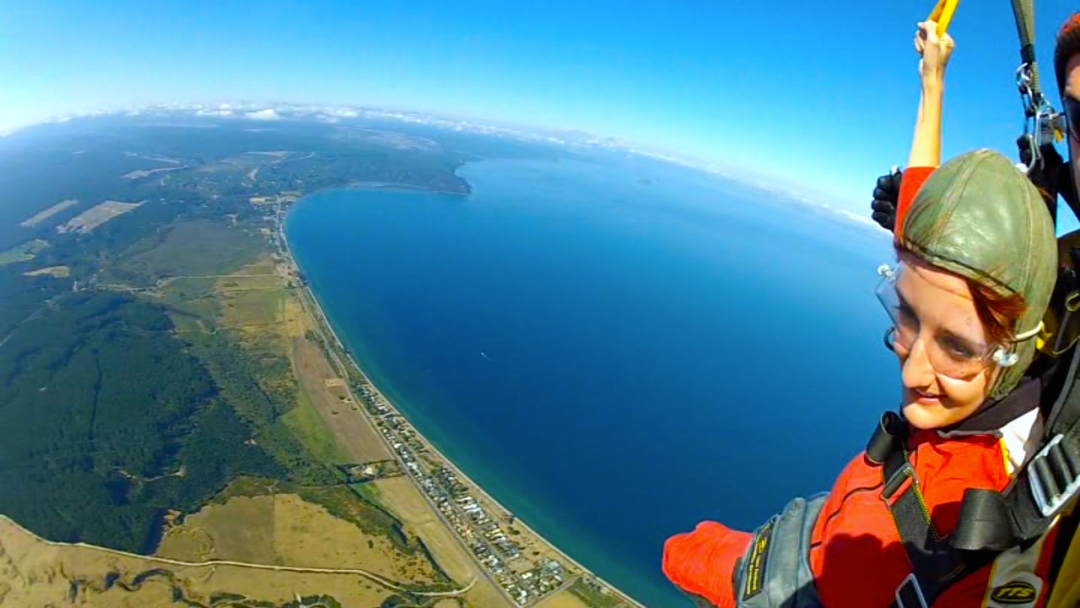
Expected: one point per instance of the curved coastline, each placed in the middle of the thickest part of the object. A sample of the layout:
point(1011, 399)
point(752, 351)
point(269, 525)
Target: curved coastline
point(341, 349)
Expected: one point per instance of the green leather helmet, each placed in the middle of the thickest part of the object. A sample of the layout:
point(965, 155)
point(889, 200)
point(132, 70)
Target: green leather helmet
point(980, 217)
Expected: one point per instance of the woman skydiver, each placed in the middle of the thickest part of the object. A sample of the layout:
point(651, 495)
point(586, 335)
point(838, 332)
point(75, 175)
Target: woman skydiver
point(976, 265)
point(1054, 177)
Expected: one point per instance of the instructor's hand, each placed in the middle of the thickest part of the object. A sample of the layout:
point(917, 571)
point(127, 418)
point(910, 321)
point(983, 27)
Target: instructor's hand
point(1050, 175)
point(886, 195)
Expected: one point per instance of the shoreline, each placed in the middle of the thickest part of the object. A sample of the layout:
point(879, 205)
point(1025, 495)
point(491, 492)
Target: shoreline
point(338, 349)
point(401, 187)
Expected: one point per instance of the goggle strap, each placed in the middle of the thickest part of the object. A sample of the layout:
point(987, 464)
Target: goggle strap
point(1005, 358)
point(1031, 333)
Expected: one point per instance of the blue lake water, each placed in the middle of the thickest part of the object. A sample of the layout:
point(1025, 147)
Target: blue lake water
point(662, 346)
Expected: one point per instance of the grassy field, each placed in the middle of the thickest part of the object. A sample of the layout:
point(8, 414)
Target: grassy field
point(356, 435)
point(191, 304)
point(192, 248)
point(251, 308)
point(592, 597)
point(312, 431)
point(23, 253)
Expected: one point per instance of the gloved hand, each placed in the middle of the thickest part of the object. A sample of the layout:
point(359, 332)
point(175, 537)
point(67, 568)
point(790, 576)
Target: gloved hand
point(886, 195)
point(702, 563)
point(1051, 175)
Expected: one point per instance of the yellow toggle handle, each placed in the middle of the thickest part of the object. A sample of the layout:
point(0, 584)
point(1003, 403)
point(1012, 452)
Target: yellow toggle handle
point(943, 14)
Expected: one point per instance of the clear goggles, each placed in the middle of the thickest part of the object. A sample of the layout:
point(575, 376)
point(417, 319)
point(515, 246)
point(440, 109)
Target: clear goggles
point(950, 354)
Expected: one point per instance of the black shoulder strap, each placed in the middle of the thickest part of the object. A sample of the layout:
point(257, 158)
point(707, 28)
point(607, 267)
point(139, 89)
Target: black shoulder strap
point(935, 562)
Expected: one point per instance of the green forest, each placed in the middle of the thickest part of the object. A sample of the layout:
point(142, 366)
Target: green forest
point(107, 422)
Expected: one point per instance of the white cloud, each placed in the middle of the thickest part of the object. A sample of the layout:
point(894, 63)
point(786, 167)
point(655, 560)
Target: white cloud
point(862, 219)
point(267, 114)
point(341, 112)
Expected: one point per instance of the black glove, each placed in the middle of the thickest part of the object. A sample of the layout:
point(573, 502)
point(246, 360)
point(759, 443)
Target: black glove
point(1051, 175)
point(886, 195)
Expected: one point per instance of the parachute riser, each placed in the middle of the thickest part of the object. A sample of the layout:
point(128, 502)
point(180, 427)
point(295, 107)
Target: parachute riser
point(1042, 124)
point(1041, 121)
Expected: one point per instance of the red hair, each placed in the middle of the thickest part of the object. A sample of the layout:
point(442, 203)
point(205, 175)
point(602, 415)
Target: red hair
point(998, 313)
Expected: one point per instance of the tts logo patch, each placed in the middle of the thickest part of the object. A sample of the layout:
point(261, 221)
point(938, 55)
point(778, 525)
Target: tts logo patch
point(1016, 592)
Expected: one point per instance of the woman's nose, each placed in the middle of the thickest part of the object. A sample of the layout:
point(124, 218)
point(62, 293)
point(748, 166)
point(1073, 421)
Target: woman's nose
point(917, 371)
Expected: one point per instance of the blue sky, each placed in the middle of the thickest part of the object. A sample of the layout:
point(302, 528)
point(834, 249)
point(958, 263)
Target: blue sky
point(820, 93)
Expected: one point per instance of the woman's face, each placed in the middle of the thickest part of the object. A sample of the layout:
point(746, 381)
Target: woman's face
point(940, 307)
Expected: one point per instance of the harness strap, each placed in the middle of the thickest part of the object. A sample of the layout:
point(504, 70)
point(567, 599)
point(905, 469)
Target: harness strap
point(935, 562)
point(1066, 410)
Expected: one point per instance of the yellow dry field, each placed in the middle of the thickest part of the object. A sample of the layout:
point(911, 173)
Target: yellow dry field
point(148, 172)
point(252, 309)
point(97, 215)
point(297, 320)
point(242, 529)
point(252, 300)
point(265, 265)
point(563, 599)
point(342, 415)
point(59, 272)
point(248, 282)
point(284, 530)
point(47, 213)
point(35, 573)
point(402, 497)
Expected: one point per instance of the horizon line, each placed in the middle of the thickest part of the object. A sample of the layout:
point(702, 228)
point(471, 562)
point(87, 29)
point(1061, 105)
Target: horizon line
point(268, 112)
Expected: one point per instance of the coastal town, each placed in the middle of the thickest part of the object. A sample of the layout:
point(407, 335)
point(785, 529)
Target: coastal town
point(525, 567)
point(525, 580)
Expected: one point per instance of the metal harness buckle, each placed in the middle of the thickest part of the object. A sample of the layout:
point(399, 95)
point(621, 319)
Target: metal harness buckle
point(1054, 477)
point(911, 589)
point(896, 480)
